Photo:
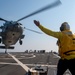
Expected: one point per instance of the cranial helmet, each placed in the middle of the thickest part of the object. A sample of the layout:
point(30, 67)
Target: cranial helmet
point(64, 26)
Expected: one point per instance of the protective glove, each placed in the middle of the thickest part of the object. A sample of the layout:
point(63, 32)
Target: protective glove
point(37, 23)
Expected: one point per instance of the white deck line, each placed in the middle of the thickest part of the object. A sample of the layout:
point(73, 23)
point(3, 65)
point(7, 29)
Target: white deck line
point(53, 66)
point(20, 63)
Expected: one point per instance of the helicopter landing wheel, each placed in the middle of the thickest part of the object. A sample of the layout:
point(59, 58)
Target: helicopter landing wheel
point(20, 42)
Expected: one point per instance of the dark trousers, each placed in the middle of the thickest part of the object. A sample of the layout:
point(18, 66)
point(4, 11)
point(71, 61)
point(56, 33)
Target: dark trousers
point(63, 65)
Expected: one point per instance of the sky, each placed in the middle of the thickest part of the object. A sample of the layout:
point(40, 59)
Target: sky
point(52, 19)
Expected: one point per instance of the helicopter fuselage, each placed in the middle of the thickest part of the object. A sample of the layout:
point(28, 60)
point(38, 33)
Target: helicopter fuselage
point(11, 33)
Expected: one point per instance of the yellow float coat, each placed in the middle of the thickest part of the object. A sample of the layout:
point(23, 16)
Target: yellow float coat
point(66, 42)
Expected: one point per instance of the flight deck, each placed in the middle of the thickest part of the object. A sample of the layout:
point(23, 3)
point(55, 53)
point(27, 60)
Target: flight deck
point(18, 63)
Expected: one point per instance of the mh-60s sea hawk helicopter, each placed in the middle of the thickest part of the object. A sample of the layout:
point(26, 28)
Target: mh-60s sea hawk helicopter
point(12, 31)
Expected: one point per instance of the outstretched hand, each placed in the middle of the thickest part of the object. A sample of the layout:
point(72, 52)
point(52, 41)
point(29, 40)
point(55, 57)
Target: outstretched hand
point(37, 23)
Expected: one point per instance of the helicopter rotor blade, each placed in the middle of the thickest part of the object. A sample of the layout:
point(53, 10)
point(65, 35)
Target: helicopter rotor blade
point(3, 19)
point(56, 3)
point(33, 30)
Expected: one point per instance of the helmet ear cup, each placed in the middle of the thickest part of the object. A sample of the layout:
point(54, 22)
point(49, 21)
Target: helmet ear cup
point(62, 28)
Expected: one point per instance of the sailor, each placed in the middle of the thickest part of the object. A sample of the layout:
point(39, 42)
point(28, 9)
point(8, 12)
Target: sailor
point(66, 45)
